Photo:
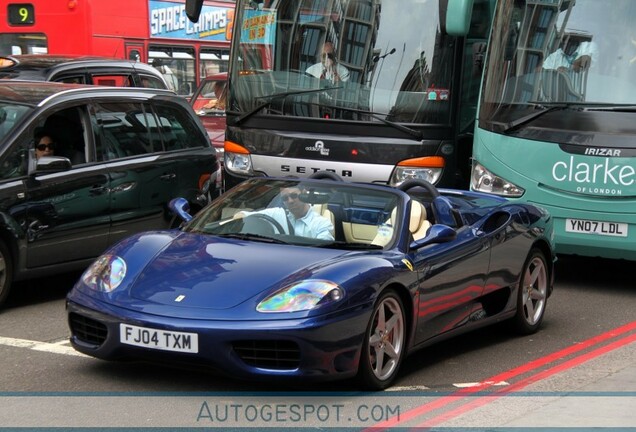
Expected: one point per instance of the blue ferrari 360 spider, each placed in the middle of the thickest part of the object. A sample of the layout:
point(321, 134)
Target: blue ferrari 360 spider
point(316, 278)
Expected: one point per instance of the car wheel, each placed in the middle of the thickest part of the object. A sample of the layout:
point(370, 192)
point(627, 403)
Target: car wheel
point(6, 272)
point(533, 294)
point(384, 344)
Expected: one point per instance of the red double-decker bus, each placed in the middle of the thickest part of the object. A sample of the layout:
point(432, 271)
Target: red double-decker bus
point(152, 31)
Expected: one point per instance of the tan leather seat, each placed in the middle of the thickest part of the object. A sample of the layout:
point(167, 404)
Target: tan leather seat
point(418, 225)
point(418, 222)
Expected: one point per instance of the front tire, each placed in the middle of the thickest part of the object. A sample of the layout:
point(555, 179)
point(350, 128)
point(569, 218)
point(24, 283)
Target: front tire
point(384, 346)
point(533, 294)
point(6, 272)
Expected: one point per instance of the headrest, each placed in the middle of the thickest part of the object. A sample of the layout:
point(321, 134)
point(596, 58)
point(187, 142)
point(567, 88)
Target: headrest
point(418, 215)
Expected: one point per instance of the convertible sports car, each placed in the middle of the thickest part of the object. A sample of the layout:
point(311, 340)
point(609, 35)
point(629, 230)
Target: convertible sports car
point(241, 290)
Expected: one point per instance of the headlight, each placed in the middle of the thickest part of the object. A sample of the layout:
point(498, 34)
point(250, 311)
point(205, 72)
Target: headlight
point(236, 159)
point(482, 180)
point(305, 295)
point(427, 168)
point(105, 274)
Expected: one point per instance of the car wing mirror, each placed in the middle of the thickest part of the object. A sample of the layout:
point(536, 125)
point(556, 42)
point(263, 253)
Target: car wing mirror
point(181, 208)
point(437, 233)
point(49, 164)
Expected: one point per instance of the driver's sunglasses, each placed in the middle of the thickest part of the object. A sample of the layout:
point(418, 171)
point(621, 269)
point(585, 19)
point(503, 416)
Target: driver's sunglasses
point(330, 55)
point(42, 147)
point(287, 197)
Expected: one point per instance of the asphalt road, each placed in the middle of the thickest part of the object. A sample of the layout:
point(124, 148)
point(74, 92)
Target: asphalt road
point(592, 297)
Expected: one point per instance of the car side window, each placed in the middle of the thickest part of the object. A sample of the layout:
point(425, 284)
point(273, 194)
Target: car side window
point(125, 129)
point(14, 162)
point(78, 79)
point(150, 81)
point(179, 128)
point(114, 80)
point(66, 129)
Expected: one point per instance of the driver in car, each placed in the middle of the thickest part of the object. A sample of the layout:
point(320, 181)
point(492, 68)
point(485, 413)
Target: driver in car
point(297, 217)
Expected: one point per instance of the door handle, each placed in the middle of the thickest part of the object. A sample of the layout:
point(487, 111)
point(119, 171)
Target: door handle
point(169, 176)
point(97, 190)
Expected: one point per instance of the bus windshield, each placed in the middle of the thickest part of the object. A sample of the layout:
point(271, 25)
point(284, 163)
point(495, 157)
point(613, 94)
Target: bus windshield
point(352, 60)
point(560, 54)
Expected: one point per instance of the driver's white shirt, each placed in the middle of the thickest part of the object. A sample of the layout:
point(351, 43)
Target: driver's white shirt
point(311, 225)
point(320, 71)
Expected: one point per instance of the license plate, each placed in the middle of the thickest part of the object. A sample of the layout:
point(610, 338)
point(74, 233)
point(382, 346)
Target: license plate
point(158, 339)
point(615, 229)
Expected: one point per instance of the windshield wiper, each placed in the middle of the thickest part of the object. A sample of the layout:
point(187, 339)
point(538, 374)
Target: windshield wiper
point(250, 236)
point(413, 132)
point(271, 98)
point(346, 245)
point(521, 121)
point(613, 108)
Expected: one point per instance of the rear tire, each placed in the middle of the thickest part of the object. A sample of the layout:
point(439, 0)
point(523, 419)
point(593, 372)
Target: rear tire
point(532, 297)
point(6, 272)
point(384, 345)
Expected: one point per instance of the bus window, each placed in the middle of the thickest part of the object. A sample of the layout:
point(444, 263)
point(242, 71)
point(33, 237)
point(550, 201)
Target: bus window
point(177, 64)
point(23, 43)
point(213, 61)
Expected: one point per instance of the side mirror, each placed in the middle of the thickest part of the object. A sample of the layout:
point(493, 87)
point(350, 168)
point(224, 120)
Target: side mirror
point(438, 233)
point(181, 208)
point(49, 164)
point(193, 9)
point(458, 14)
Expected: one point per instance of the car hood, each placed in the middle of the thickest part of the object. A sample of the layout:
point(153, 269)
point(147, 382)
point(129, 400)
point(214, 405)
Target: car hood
point(210, 272)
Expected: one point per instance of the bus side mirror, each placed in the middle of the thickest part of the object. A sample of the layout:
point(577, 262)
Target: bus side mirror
point(458, 14)
point(193, 9)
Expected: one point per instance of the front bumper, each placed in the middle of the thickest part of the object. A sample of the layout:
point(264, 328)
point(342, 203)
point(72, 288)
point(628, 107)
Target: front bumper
point(323, 349)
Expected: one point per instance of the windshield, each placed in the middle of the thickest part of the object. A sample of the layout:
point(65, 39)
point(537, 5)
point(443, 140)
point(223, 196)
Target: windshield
point(568, 53)
point(11, 115)
point(323, 214)
point(388, 58)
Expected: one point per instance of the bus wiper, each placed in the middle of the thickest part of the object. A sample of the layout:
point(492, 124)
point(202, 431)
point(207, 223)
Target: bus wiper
point(613, 108)
point(271, 98)
point(413, 132)
point(513, 125)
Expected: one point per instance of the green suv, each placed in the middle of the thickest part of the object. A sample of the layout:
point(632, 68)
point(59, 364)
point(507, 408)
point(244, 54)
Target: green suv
point(116, 157)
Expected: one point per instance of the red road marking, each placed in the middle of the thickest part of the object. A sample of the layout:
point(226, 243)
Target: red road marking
point(520, 370)
point(478, 402)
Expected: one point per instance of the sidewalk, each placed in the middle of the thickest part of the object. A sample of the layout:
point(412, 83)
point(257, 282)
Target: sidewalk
point(601, 394)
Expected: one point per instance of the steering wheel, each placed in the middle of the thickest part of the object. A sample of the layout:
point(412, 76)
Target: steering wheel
point(326, 175)
point(411, 183)
point(273, 222)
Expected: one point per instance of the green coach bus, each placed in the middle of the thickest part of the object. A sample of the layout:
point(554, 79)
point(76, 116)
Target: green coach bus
point(556, 123)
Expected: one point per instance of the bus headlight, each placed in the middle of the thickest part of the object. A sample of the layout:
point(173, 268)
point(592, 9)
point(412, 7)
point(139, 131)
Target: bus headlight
point(482, 180)
point(237, 159)
point(425, 168)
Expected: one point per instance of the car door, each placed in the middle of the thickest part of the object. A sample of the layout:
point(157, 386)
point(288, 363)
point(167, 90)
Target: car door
point(171, 156)
point(66, 213)
point(452, 277)
point(140, 183)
